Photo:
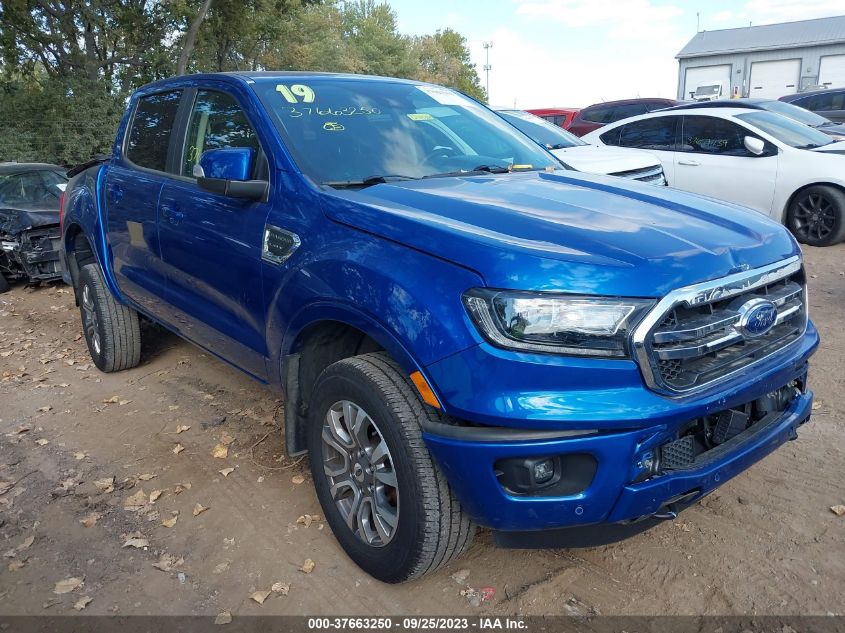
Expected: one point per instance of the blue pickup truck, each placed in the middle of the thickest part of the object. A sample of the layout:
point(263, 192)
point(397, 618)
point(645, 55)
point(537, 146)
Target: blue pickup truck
point(466, 332)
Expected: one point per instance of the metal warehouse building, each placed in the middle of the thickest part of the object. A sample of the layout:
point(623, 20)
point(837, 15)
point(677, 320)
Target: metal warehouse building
point(765, 61)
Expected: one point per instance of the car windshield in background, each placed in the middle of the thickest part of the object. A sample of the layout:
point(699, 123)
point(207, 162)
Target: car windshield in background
point(799, 114)
point(355, 132)
point(540, 130)
point(38, 187)
point(786, 130)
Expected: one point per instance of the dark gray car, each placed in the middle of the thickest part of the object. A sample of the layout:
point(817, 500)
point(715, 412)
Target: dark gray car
point(29, 221)
point(789, 110)
point(828, 103)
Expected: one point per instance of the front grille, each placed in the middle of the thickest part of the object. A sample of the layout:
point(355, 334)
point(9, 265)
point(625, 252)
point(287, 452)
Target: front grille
point(698, 336)
point(646, 174)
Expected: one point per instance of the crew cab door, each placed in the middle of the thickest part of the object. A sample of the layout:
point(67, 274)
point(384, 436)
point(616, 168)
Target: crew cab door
point(131, 190)
point(211, 244)
point(712, 160)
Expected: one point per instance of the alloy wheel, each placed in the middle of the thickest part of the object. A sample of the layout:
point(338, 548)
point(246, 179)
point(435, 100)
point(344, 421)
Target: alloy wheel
point(360, 472)
point(814, 217)
point(90, 322)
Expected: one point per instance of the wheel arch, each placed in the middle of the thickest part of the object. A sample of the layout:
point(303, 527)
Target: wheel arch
point(320, 336)
point(802, 188)
point(78, 252)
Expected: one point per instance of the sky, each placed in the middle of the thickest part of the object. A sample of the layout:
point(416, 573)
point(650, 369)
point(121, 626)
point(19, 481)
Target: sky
point(550, 53)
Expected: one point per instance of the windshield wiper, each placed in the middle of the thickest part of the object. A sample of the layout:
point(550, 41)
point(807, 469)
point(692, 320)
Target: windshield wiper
point(492, 169)
point(367, 182)
point(811, 146)
point(476, 171)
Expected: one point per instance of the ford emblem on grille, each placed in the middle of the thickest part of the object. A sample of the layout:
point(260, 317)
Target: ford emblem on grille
point(757, 317)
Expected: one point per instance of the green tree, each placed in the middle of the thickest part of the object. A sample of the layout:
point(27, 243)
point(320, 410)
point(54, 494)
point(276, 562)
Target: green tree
point(374, 44)
point(444, 58)
point(68, 66)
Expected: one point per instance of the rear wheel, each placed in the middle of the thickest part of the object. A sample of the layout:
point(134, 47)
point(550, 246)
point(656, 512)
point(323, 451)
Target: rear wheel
point(817, 216)
point(385, 499)
point(111, 330)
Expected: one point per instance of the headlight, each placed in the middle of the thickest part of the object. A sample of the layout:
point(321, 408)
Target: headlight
point(554, 323)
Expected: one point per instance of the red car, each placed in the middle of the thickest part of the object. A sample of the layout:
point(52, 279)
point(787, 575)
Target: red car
point(558, 116)
point(599, 114)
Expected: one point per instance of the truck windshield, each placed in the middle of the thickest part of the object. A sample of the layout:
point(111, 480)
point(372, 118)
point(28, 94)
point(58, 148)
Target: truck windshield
point(543, 132)
point(347, 132)
point(786, 130)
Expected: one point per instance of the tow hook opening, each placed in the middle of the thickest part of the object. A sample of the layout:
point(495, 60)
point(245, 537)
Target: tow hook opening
point(671, 507)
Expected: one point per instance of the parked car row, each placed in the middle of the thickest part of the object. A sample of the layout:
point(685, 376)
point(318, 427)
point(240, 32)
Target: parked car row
point(768, 155)
point(755, 158)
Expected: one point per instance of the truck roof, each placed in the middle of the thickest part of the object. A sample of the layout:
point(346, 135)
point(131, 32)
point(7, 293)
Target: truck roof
point(268, 75)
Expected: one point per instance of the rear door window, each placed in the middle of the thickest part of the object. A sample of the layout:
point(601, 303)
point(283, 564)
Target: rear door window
point(152, 125)
point(829, 101)
point(657, 133)
point(599, 114)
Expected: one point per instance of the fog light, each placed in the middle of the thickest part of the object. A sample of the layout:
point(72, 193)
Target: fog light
point(555, 476)
point(543, 471)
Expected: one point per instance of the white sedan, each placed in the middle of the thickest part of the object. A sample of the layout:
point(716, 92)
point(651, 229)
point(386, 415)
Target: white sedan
point(627, 163)
point(755, 158)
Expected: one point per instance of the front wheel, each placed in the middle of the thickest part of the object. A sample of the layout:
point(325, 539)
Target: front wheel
point(817, 216)
point(385, 499)
point(4, 285)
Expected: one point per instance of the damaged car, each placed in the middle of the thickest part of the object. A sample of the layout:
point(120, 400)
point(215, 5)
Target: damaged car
point(29, 222)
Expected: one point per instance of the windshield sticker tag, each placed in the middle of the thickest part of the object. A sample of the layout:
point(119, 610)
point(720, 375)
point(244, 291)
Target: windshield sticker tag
point(296, 90)
point(420, 116)
point(332, 126)
point(514, 167)
point(444, 96)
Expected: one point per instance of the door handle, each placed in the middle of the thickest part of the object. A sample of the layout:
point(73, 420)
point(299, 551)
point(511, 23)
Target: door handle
point(116, 193)
point(691, 163)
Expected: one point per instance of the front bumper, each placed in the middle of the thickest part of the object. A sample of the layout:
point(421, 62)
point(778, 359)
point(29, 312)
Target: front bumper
point(34, 254)
point(467, 456)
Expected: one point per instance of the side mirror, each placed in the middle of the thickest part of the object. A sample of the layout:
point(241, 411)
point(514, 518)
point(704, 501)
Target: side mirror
point(227, 171)
point(754, 145)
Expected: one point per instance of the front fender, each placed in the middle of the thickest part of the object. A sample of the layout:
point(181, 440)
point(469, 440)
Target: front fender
point(408, 302)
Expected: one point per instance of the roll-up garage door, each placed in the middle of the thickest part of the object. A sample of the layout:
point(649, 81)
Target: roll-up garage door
point(770, 80)
point(707, 76)
point(832, 71)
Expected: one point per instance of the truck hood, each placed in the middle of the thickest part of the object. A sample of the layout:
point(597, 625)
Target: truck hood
point(565, 231)
point(16, 219)
point(605, 160)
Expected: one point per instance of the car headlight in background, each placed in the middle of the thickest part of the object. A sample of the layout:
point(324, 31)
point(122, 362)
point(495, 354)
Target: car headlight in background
point(555, 323)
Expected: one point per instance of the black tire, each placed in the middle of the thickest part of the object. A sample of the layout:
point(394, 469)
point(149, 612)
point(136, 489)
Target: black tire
point(111, 330)
point(4, 285)
point(431, 528)
point(817, 216)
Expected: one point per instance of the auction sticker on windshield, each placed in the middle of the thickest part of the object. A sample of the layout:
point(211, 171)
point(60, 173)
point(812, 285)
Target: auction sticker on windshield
point(443, 96)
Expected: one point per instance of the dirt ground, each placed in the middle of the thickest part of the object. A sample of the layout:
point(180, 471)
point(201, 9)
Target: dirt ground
point(765, 543)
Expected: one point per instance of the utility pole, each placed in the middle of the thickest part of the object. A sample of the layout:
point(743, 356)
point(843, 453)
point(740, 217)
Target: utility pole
point(487, 66)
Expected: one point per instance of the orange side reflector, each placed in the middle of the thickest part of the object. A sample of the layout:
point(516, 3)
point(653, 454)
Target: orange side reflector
point(425, 391)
